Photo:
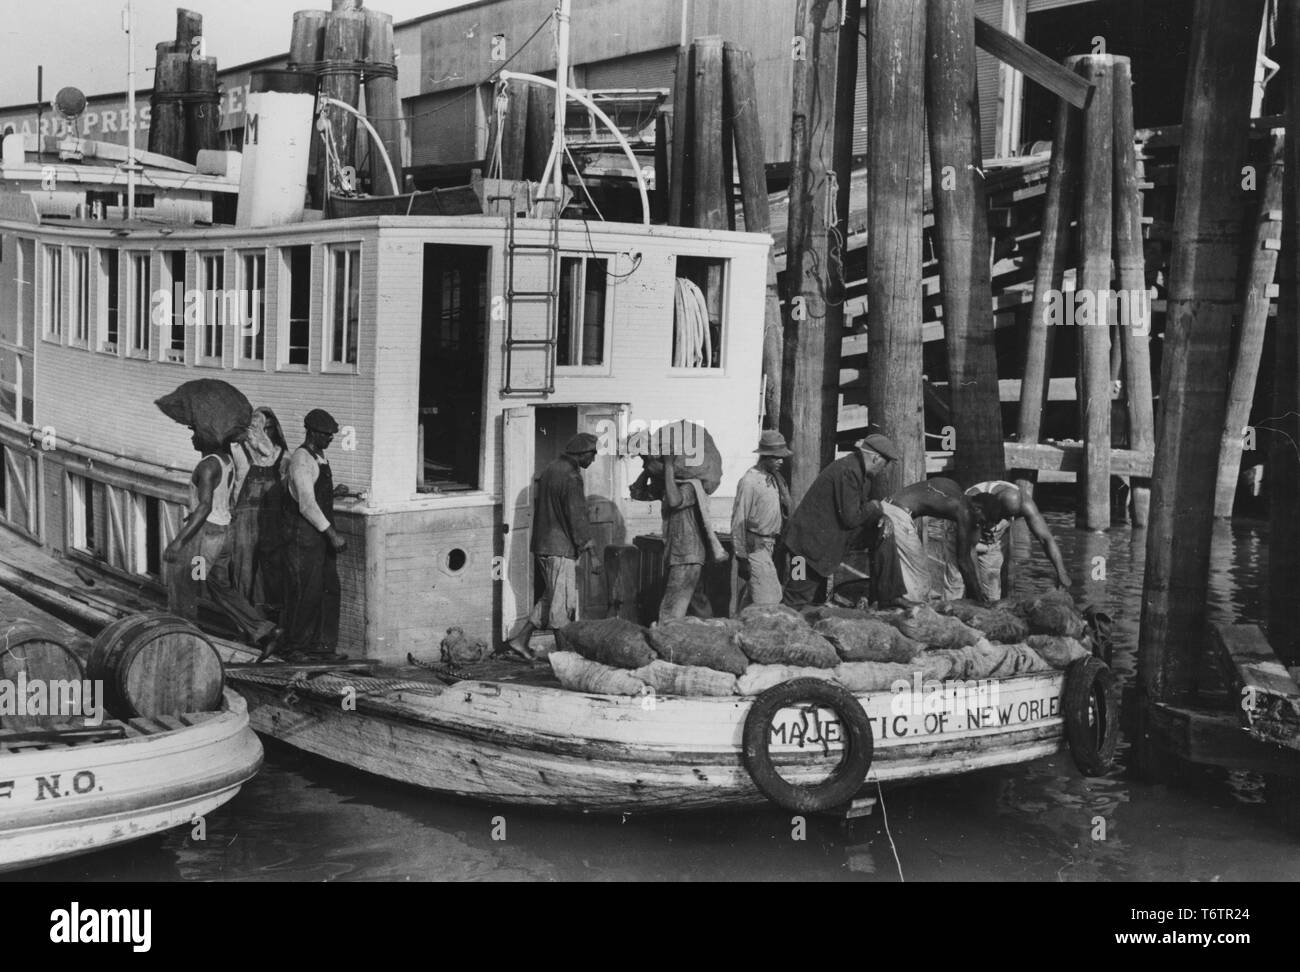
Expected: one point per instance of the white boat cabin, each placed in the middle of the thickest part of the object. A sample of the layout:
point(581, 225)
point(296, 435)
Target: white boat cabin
point(440, 344)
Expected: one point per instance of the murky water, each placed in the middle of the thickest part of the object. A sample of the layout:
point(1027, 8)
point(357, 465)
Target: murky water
point(306, 819)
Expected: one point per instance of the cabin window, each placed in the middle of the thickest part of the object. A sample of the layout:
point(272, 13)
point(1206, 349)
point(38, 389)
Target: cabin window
point(580, 329)
point(141, 299)
point(80, 291)
point(213, 317)
point(698, 309)
point(108, 301)
point(453, 359)
point(26, 278)
point(252, 309)
point(345, 305)
point(53, 292)
point(85, 515)
point(171, 327)
point(295, 296)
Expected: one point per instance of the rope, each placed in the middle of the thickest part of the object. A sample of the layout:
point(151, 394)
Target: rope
point(210, 97)
point(693, 344)
point(884, 815)
point(363, 69)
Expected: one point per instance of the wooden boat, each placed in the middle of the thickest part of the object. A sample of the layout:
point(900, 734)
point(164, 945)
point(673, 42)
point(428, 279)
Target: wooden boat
point(506, 732)
point(76, 790)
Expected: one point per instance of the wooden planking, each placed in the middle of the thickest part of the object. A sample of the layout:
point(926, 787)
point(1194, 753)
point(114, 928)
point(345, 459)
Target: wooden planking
point(1270, 697)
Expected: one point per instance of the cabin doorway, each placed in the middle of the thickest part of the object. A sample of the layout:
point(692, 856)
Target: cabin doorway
point(533, 437)
point(453, 341)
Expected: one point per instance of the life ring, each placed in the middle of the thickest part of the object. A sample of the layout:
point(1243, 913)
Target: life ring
point(841, 786)
point(1091, 711)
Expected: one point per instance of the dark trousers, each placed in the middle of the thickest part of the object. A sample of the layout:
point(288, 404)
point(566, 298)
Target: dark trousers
point(311, 596)
point(213, 545)
point(798, 592)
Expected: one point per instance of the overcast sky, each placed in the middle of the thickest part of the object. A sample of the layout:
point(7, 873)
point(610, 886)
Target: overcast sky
point(81, 42)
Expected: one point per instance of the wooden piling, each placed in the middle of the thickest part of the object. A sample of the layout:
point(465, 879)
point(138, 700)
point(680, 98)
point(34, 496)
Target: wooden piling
point(189, 28)
point(167, 110)
point(1260, 273)
point(1283, 432)
point(345, 34)
point(746, 126)
point(961, 234)
point(1130, 269)
point(1202, 294)
point(383, 110)
point(305, 47)
point(711, 137)
point(663, 151)
point(681, 191)
point(1053, 251)
point(514, 130)
point(1095, 230)
point(203, 109)
point(814, 326)
point(540, 138)
point(895, 154)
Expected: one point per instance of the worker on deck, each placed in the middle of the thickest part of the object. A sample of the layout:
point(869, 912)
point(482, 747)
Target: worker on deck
point(689, 542)
point(900, 574)
point(1001, 503)
point(837, 505)
point(561, 534)
point(311, 546)
point(199, 557)
point(758, 516)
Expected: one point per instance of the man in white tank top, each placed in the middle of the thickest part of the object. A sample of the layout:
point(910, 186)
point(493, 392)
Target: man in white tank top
point(1001, 503)
point(199, 558)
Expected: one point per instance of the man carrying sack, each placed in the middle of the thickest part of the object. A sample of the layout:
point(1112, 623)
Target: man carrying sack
point(561, 533)
point(837, 505)
point(312, 545)
point(757, 517)
point(688, 541)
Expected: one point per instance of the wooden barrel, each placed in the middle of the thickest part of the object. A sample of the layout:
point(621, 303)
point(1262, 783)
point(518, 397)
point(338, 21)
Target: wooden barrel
point(156, 664)
point(35, 660)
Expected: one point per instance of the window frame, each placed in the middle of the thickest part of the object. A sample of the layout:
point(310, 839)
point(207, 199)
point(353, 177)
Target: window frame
point(724, 317)
point(248, 306)
point(213, 306)
point(80, 302)
point(104, 305)
point(328, 363)
point(606, 351)
point(140, 313)
point(53, 302)
point(284, 308)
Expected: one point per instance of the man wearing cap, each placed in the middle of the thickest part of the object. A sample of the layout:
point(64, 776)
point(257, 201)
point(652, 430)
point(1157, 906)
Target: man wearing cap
point(757, 518)
point(836, 506)
point(312, 545)
point(900, 573)
point(561, 533)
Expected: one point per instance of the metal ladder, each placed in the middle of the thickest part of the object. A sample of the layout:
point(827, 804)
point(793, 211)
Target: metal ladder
point(516, 251)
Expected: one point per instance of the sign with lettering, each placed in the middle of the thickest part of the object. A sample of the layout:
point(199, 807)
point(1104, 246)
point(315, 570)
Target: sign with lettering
point(939, 710)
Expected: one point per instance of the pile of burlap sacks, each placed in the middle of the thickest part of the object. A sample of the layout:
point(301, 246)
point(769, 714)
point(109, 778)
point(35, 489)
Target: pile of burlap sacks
point(862, 650)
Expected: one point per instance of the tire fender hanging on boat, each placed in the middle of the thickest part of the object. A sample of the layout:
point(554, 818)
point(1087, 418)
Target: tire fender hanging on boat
point(847, 778)
point(1091, 711)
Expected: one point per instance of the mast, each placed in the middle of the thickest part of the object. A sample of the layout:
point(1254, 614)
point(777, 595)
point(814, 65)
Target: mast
point(561, 95)
point(130, 112)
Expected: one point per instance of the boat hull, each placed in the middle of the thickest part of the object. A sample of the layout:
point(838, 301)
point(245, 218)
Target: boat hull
point(74, 800)
point(535, 746)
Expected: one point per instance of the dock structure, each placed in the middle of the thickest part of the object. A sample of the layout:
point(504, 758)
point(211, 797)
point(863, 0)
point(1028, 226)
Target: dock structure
point(1202, 292)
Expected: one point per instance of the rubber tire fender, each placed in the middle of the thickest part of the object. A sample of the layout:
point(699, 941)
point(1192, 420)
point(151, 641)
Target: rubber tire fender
point(843, 784)
point(1088, 682)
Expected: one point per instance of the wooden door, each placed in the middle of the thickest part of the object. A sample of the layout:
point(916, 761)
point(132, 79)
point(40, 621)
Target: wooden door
point(517, 484)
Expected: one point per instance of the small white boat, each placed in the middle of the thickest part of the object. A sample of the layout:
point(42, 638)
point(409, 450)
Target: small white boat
point(77, 790)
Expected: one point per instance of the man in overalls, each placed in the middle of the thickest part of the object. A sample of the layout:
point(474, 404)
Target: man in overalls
point(312, 545)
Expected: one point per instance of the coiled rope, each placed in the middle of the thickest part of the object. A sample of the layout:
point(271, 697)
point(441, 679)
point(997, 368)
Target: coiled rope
point(692, 342)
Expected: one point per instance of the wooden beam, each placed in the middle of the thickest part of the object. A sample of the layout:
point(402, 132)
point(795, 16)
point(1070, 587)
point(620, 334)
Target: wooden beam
point(1211, 738)
point(1202, 292)
point(1067, 458)
point(712, 139)
point(961, 238)
point(895, 156)
point(680, 191)
point(1260, 272)
point(1096, 221)
point(1130, 268)
point(822, 117)
point(1034, 64)
point(1269, 696)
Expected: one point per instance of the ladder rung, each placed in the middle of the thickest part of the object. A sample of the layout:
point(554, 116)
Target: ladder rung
point(513, 343)
point(511, 294)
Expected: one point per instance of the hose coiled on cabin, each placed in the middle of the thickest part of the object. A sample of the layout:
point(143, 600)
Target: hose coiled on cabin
point(692, 340)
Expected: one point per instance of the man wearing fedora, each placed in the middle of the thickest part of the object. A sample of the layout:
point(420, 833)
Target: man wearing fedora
point(837, 505)
point(757, 517)
point(561, 533)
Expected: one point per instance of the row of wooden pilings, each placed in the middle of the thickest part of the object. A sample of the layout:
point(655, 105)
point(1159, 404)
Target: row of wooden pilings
point(185, 107)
